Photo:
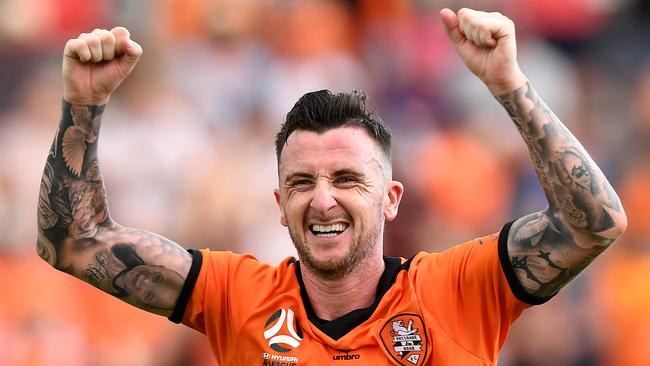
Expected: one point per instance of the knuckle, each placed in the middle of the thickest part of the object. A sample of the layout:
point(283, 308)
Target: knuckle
point(89, 38)
point(93, 40)
point(121, 31)
point(107, 37)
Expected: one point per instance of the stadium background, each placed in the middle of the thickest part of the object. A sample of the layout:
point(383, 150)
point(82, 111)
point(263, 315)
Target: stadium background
point(187, 151)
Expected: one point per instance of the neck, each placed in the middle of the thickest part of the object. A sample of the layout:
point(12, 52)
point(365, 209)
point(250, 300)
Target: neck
point(332, 299)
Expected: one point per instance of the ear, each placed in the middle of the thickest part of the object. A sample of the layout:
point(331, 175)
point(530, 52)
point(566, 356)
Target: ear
point(394, 191)
point(278, 200)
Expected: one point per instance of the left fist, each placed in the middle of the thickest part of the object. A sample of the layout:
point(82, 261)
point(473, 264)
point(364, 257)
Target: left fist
point(486, 44)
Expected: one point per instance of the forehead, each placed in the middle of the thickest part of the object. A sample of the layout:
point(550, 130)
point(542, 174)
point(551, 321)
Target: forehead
point(338, 148)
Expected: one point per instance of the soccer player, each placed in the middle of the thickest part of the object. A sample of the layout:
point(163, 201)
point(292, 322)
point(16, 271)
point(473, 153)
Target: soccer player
point(342, 299)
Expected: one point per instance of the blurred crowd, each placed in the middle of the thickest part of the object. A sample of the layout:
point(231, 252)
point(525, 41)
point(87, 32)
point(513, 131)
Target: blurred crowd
point(187, 152)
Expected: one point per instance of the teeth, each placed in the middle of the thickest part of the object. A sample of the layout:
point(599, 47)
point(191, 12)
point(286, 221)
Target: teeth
point(328, 228)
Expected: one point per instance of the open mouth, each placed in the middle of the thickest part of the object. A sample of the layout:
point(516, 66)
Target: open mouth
point(327, 231)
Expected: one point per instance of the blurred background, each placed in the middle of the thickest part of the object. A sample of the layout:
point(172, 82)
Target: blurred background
point(187, 152)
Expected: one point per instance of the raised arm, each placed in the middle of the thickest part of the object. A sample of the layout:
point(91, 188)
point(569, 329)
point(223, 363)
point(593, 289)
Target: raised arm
point(75, 231)
point(547, 248)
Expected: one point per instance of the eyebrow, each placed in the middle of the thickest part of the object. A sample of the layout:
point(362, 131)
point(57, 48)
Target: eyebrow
point(341, 172)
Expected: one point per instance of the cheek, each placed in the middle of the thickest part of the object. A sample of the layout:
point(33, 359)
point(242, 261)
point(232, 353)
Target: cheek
point(369, 199)
point(361, 204)
point(165, 293)
point(164, 299)
point(296, 206)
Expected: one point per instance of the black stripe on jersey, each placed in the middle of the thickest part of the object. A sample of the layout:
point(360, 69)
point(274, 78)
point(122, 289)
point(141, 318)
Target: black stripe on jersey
point(341, 326)
point(506, 266)
point(188, 286)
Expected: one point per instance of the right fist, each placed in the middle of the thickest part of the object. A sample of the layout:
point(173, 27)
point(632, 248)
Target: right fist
point(95, 63)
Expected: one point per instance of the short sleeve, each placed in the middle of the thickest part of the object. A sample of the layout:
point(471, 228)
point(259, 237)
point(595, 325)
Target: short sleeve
point(188, 286)
point(466, 290)
point(216, 296)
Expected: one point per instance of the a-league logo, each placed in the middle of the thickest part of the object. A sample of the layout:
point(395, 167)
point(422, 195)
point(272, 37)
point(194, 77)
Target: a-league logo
point(283, 340)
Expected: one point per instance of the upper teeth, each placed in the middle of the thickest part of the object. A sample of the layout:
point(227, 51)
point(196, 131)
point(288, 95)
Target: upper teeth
point(328, 228)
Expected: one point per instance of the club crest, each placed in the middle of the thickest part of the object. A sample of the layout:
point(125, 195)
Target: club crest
point(405, 339)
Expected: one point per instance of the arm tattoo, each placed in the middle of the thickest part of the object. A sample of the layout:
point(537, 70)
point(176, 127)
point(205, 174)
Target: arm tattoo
point(77, 235)
point(72, 199)
point(584, 216)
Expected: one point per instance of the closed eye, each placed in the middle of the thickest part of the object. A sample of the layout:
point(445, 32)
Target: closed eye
point(345, 180)
point(301, 182)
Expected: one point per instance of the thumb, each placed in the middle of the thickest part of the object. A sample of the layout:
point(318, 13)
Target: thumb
point(131, 52)
point(450, 21)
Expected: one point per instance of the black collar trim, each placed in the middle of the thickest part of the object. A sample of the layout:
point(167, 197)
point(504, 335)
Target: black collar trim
point(341, 326)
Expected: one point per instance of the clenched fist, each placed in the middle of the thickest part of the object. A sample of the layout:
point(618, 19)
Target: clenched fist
point(95, 63)
point(486, 44)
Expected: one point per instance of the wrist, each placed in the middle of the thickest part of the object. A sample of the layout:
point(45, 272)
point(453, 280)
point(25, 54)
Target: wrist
point(79, 96)
point(507, 85)
point(90, 101)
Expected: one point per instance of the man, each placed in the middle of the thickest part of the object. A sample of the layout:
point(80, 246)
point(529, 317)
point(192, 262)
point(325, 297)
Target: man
point(342, 300)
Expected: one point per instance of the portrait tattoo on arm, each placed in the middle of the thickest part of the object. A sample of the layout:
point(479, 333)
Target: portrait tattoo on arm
point(77, 235)
point(549, 248)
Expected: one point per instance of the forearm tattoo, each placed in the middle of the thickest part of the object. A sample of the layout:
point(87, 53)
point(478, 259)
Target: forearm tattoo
point(547, 249)
point(72, 199)
point(76, 234)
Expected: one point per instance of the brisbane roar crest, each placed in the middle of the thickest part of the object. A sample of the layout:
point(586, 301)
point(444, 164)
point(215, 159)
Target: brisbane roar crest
point(405, 339)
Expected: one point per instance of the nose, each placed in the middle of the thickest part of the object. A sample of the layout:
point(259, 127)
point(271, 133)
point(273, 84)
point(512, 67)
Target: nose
point(323, 199)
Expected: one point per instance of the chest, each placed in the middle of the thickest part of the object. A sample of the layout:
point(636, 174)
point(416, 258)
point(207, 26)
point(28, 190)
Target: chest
point(282, 335)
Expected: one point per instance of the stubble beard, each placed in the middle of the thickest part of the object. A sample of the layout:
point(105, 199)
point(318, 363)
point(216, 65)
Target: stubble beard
point(336, 269)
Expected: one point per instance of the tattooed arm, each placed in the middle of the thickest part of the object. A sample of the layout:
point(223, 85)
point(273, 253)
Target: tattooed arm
point(548, 248)
point(75, 232)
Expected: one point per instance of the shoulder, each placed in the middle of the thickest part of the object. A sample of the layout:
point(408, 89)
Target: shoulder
point(484, 247)
point(242, 269)
point(217, 278)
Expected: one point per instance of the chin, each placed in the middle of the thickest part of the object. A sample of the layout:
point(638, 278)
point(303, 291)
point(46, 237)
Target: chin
point(329, 258)
point(329, 261)
point(332, 264)
point(330, 269)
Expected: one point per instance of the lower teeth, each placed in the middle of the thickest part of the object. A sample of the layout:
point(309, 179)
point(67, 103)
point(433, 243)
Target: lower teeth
point(327, 235)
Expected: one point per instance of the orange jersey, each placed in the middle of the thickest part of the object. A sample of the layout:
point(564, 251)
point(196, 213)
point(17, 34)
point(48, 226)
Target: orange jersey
point(449, 308)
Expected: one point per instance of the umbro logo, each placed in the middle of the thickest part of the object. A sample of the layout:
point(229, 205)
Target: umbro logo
point(346, 356)
point(283, 331)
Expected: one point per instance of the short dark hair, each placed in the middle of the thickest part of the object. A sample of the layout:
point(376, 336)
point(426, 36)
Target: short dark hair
point(321, 111)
